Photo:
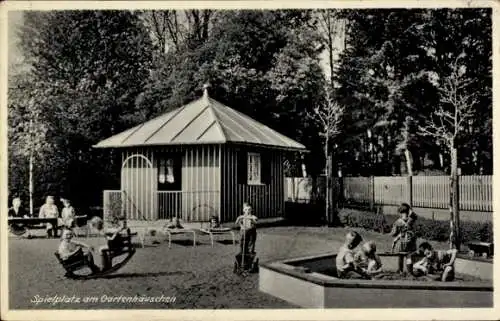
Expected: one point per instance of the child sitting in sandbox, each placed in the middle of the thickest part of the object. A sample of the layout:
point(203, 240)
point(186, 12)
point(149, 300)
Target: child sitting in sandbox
point(435, 262)
point(368, 261)
point(69, 247)
point(345, 260)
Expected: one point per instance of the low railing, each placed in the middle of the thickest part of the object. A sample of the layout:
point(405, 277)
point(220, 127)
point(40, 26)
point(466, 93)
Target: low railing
point(190, 206)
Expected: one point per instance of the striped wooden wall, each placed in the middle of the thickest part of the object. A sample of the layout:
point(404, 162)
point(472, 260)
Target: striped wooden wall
point(201, 183)
point(138, 183)
point(267, 200)
point(199, 197)
point(209, 185)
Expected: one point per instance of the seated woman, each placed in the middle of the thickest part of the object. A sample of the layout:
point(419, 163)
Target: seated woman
point(17, 211)
point(49, 210)
point(69, 247)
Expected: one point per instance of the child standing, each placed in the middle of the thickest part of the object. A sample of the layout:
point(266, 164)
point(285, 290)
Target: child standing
point(345, 261)
point(404, 232)
point(67, 214)
point(436, 262)
point(69, 247)
point(368, 260)
point(248, 229)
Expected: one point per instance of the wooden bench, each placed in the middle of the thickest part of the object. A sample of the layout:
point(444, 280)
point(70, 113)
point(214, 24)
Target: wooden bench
point(20, 225)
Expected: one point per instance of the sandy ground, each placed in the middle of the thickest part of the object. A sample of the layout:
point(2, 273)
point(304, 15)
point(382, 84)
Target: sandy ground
point(198, 277)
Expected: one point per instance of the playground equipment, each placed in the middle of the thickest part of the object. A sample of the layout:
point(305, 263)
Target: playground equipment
point(245, 263)
point(78, 261)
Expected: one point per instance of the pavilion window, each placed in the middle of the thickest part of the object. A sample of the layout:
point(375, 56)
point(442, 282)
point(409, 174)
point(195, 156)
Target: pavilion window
point(169, 173)
point(254, 169)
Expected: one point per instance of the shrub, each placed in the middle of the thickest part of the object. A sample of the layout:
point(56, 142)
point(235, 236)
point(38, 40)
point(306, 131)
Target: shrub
point(425, 228)
point(366, 220)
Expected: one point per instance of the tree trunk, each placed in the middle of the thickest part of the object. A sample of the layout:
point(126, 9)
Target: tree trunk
point(454, 197)
point(409, 167)
point(327, 182)
point(30, 188)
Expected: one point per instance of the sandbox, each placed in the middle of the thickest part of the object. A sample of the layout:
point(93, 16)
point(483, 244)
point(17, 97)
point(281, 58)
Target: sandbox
point(306, 282)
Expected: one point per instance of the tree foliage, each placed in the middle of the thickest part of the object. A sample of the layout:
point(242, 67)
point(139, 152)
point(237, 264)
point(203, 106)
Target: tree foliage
point(88, 67)
point(390, 72)
point(262, 63)
point(95, 73)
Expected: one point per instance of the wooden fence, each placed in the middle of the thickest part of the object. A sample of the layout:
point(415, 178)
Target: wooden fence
point(420, 191)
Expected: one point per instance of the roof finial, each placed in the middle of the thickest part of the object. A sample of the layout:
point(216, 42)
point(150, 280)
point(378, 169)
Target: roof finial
point(205, 90)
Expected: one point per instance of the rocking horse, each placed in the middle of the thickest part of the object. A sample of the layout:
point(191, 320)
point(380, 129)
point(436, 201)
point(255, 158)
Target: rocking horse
point(78, 261)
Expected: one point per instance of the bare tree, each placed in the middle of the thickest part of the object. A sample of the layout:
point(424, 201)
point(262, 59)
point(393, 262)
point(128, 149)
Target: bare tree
point(27, 131)
point(447, 124)
point(329, 118)
point(171, 28)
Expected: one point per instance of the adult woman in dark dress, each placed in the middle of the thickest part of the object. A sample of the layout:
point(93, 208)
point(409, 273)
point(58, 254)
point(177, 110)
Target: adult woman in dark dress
point(17, 211)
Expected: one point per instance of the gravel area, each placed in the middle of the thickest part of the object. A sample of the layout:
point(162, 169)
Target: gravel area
point(197, 277)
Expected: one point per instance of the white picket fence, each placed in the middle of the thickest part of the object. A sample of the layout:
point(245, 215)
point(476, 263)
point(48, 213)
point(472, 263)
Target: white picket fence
point(421, 191)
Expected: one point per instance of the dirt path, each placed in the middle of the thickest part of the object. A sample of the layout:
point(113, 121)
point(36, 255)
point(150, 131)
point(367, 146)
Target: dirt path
point(199, 277)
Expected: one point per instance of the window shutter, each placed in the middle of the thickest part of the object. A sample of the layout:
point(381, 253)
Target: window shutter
point(242, 165)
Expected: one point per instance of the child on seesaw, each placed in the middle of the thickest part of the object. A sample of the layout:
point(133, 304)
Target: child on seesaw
point(368, 261)
point(69, 247)
point(248, 229)
point(114, 239)
point(437, 262)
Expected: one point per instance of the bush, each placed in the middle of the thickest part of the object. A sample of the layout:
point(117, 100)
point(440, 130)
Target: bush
point(366, 220)
point(428, 229)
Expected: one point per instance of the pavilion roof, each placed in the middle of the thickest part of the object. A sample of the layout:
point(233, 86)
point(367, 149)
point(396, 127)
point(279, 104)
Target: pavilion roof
point(202, 121)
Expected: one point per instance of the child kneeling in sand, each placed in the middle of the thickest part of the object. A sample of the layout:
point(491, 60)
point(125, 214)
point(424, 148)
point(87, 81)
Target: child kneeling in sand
point(69, 247)
point(435, 262)
point(368, 261)
point(345, 260)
